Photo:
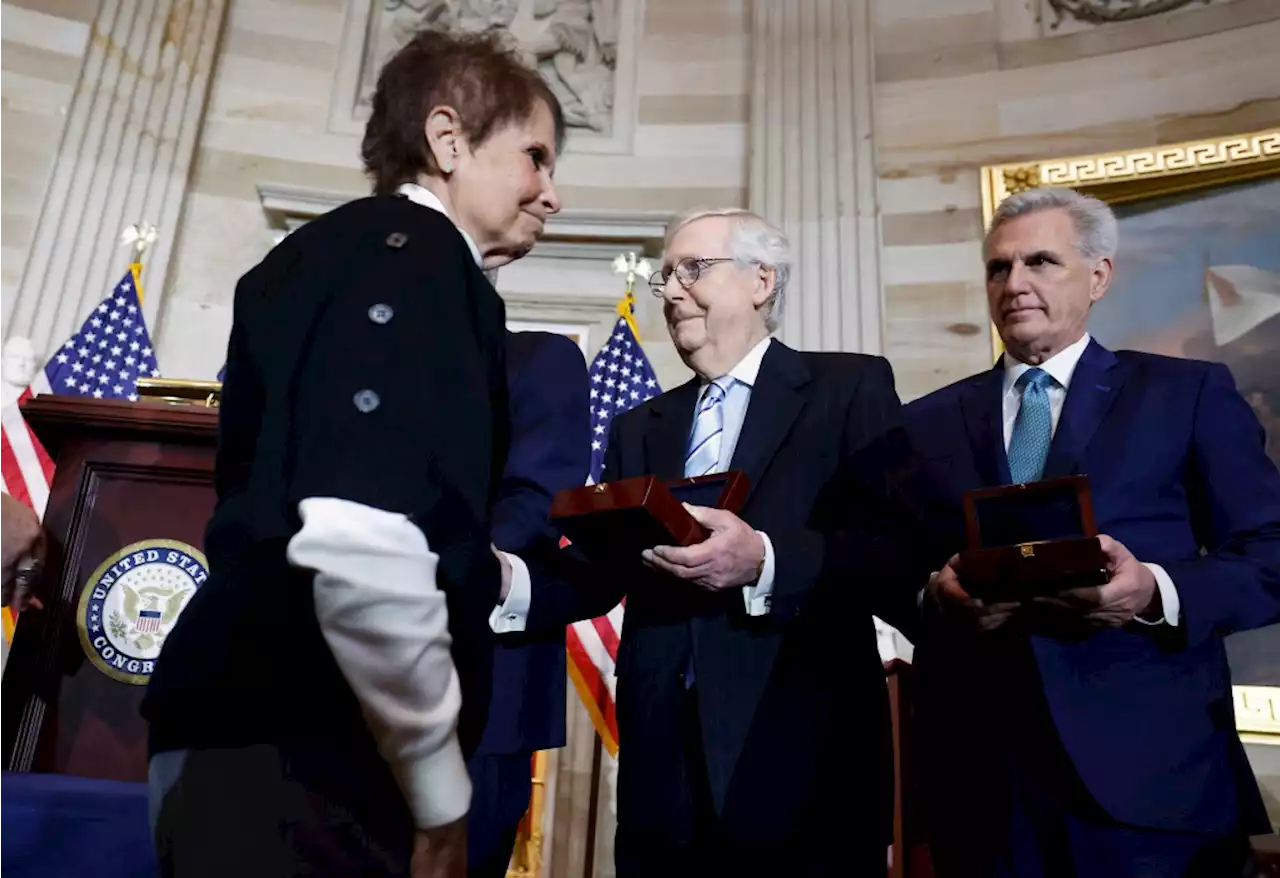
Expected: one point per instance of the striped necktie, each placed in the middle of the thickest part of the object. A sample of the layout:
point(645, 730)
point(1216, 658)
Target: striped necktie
point(708, 430)
point(1033, 428)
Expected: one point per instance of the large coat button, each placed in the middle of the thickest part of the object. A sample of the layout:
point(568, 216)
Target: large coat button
point(381, 313)
point(366, 401)
point(396, 240)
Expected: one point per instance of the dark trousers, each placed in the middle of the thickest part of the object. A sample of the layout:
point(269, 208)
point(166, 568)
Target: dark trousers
point(707, 850)
point(1047, 840)
point(266, 812)
point(1055, 827)
point(500, 790)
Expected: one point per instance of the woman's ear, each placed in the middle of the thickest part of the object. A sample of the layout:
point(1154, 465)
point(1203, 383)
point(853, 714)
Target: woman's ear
point(444, 137)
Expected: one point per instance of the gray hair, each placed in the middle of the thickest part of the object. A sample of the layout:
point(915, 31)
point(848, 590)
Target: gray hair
point(753, 241)
point(1097, 233)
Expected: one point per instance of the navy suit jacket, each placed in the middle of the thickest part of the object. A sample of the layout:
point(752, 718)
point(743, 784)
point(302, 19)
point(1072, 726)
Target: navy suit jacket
point(550, 450)
point(1179, 474)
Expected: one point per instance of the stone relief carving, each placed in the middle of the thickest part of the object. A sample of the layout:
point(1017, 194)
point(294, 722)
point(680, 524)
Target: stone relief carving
point(572, 43)
point(1106, 11)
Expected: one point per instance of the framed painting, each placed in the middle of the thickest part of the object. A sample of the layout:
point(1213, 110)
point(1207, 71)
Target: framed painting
point(1197, 275)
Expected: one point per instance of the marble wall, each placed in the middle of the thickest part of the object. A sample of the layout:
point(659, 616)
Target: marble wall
point(44, 46)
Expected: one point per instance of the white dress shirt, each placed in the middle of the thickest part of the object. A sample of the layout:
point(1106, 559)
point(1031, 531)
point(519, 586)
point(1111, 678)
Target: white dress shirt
point(512, 615)
point(387, 624)
point(737, 397)
point(1061, 366)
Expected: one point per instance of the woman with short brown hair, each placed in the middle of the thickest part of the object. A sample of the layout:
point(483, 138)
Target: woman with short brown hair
point(313, 705)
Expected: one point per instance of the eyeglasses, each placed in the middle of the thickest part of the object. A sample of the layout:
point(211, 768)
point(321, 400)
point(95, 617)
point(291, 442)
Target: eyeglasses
point(686, 271)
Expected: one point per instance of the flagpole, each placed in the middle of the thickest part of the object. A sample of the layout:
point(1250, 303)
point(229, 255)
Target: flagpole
point(139, 236)
point(627, 264)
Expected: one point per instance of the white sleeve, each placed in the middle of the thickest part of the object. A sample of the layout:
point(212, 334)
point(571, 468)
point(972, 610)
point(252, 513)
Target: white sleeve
point(758, 596)
point(387, 624)
point(512, 615)
point(1170, 603)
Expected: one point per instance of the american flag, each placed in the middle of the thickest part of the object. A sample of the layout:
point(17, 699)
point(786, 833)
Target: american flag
point(110, 353)
point(104, 360)
point(621, 379)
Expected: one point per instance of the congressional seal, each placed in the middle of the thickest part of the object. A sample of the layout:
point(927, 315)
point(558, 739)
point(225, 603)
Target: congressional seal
point(129, 605)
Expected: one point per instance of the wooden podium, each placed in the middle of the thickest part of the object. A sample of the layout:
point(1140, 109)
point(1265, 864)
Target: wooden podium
point(127, 473)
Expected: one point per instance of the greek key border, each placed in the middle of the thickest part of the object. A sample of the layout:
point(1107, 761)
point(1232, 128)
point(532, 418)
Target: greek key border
point(1157, 165)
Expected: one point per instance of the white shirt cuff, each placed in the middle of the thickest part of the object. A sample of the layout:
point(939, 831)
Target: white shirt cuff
point(759, 595)
point(1168, 598)
point(512, 615)
point(387, 624)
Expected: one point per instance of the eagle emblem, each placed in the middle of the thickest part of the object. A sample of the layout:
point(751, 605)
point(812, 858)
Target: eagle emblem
point(131, 602)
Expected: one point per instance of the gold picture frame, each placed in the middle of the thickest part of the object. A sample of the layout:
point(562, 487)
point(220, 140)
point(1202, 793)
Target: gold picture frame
point(1135, 175)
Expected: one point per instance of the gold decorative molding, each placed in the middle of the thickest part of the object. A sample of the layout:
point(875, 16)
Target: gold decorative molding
point(1152, 171)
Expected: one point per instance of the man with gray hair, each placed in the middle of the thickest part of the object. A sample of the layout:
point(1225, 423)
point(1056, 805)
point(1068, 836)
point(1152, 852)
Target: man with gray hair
point(1091, 732)
point(752, 710)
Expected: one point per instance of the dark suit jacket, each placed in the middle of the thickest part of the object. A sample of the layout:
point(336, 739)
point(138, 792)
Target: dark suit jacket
point(793, 705)
point(550, 450)
point(1178, 473)
point(246, 662)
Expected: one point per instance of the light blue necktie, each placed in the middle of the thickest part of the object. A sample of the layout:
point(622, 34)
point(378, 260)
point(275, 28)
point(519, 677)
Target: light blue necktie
point(1033, 428)
point(703, 456)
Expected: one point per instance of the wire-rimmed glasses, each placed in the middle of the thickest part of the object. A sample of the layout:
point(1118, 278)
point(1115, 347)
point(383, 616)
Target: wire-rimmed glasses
point(686, 271)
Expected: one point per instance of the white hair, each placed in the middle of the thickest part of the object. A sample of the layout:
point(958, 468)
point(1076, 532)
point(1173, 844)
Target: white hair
point(1097, 232)
point(752, 241)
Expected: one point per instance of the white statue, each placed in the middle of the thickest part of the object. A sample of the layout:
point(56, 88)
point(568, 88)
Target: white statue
point(17, 370)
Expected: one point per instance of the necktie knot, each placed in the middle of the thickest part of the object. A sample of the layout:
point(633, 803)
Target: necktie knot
point(714, 394)
point(703, 455)
point(1035, 378)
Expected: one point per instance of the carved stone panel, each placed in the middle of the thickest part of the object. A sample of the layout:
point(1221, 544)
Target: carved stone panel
point(584, 49)
point(1071, 16)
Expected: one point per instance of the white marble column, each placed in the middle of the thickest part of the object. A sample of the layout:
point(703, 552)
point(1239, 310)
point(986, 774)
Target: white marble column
point(813, 168)
point(124, 157)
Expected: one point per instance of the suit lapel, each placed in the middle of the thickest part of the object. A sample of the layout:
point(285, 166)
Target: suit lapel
point(983, 411)
point(666, 440)
point(1095, 384)
point(772, 410)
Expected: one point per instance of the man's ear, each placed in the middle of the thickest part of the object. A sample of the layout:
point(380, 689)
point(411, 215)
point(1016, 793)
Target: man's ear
point(766, 282)
point(1100, 281)
point(443, 131)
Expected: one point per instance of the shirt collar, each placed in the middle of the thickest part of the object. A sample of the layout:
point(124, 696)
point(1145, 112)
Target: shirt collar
point(748, 368)
point(1061, 366)
point(419, 194)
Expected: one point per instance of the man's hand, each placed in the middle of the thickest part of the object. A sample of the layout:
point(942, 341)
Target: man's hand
point(505, 563)
point(950, 598)
point(440, 852)
point(1130, 591)
point(23, 553)
point(730, 557)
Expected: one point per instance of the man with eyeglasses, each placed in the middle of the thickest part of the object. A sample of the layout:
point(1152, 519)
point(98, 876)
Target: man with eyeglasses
point(752, 709)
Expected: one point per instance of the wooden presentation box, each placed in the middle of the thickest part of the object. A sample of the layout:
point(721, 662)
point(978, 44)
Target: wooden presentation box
point(1031, 540)
point(613, 522)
